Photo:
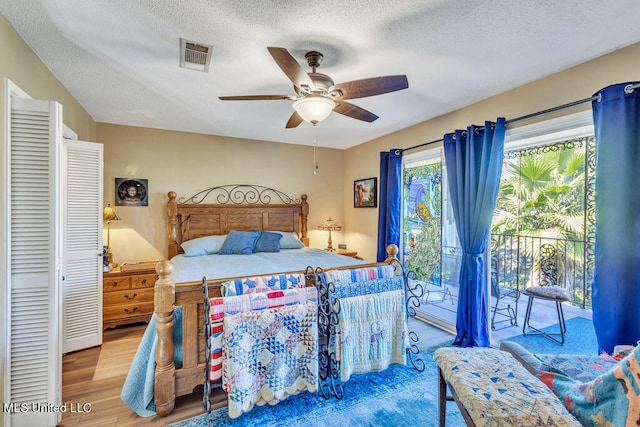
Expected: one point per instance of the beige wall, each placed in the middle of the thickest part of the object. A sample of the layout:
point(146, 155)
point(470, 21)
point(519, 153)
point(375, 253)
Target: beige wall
point(564, 87)
point(188, 163)
point(20, 65)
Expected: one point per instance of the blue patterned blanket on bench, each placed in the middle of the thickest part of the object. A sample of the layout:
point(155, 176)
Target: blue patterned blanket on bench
point(610, 399)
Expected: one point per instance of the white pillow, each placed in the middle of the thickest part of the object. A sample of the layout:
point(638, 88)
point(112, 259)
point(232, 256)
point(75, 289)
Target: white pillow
point(289, 240)
point(203, 245)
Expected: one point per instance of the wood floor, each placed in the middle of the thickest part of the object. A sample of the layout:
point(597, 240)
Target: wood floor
point(96, 376)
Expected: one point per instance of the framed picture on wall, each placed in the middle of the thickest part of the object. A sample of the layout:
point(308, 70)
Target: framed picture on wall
point(132, 192)
point(365, 193)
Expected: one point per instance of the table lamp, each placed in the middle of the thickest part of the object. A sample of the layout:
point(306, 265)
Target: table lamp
point(330, 225)
point(109, 214)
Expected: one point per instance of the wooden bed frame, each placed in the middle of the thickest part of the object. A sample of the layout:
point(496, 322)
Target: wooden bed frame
point(238, 207)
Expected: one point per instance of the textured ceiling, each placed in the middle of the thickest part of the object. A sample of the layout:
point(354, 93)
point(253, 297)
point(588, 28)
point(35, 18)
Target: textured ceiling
point(120, 58)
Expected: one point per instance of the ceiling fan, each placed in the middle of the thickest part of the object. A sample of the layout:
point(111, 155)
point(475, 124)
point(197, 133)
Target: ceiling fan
point(317, 95)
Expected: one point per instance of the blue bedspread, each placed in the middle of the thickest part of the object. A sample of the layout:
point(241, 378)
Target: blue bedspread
point(137, 392)
point(191, 269)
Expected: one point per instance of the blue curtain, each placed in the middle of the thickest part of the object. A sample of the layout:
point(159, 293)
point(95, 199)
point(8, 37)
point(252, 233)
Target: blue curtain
point(616, 285)
point(474, 164)
point(390, 201)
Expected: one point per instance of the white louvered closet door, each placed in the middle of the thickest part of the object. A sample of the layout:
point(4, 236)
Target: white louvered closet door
point(82, 166)
point(33, 357)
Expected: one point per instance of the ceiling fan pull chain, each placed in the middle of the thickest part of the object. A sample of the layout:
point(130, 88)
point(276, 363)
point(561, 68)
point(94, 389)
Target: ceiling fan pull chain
point(315, 156)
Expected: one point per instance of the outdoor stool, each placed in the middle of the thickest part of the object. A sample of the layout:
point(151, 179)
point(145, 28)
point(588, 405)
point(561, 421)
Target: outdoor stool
point(556, 294)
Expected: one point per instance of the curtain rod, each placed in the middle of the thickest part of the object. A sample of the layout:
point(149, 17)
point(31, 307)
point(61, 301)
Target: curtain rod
point(628, 89)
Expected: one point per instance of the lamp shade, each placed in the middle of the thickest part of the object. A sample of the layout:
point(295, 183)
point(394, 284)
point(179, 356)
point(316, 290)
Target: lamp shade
point(109, 214)
point(330, 225)
point(314, 109)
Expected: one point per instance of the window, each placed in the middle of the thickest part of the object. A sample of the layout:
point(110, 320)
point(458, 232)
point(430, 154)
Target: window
point(430, 241)
point(542, 227)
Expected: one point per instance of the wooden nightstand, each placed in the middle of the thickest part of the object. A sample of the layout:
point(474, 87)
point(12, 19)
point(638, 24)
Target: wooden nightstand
point(346, 252)
point(127, 296)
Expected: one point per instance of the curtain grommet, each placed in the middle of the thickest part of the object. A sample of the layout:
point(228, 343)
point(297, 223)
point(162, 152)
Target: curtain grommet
point(628, 89)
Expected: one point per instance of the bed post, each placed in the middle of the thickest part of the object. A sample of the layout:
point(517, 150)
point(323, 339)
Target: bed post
point(172, 214)
point(392, 253)
point(304, 216)
point(165, 298)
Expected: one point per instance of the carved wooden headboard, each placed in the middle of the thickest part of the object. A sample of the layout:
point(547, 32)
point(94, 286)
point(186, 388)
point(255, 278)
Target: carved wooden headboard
point(234, 207)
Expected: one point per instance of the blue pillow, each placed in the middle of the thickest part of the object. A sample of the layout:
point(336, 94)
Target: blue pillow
point(268, 242)
point(290, 240)
point(203, 245)
point(239, 243)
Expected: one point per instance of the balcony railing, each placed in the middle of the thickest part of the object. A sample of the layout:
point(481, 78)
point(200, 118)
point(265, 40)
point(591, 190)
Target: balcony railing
point(522, 261)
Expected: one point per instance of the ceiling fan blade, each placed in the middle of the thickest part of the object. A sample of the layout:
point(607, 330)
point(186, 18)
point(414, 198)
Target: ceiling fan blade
point(370, 87)
point(257, 98)
point(355, 112)
point(291, 67)
point(294, 120)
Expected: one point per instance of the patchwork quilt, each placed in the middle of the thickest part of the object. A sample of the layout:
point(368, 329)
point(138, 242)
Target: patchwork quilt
point(338, 277)
point(610, 399)
point(583, 368)
point(372, 333)
point(366, 287)
point(270, 355)
point(225, 306)
point(248, 285)
point(497, 390)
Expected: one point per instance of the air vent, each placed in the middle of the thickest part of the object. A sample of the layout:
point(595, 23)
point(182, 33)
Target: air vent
point(195, 56)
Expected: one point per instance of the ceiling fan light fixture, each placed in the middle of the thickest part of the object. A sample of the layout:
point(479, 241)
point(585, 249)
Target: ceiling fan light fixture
point(314, 109)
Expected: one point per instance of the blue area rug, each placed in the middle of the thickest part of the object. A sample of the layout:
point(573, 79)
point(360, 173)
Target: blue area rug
point(398, 396)
point(579, 339)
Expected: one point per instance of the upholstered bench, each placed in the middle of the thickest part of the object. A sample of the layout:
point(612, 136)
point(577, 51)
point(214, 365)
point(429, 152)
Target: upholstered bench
point(492, 388)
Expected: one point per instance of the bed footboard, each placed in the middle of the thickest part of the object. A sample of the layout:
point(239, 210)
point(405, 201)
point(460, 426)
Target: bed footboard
point(164, 300)
point(171, 381)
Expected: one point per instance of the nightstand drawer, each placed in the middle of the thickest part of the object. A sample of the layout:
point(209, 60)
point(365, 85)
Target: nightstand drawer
point(122, 311)
point(144, 281)
point(128, 296)
point(116, 283)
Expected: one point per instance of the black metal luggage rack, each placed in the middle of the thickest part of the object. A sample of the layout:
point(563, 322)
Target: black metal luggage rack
point(328, 310)
point(207, 339)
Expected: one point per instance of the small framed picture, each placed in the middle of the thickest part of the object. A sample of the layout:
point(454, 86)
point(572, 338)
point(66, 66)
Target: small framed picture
point(132, 192)
point(365, 193)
